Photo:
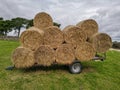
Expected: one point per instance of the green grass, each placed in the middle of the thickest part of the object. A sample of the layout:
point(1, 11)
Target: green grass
point(95, 75)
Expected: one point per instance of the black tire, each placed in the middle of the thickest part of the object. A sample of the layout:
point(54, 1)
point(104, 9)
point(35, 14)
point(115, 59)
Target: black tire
point(75, 67)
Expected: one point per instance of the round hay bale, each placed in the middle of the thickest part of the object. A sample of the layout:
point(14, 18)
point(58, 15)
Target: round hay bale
point(90, 27)
point(68, 27)
point(32, 38)
point(23, 57)
point(45, 55)
point(74, 35)
point(53, 36)
point(42, 20)
point(101, 41)
point(65, 54)
point(85, 51)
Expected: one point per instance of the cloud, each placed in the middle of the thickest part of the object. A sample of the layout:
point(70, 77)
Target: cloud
point(108, 19)
point(67, 12)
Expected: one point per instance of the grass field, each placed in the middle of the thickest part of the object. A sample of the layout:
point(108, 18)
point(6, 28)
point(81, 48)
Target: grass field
point(95, 75)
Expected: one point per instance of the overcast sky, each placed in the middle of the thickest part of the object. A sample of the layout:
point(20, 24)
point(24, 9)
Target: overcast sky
point(68, 12)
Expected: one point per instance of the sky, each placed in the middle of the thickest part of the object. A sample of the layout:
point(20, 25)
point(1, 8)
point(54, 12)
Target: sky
point(68, 12)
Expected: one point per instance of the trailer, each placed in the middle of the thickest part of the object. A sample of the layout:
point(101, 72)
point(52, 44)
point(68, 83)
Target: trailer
point(75, 67)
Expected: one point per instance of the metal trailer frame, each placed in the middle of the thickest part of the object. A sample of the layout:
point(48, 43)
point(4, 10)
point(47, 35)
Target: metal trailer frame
point(100, 57)
point(75, 67)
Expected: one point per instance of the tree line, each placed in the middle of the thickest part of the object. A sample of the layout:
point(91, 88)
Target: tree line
point(116, 45)
point(15, 24)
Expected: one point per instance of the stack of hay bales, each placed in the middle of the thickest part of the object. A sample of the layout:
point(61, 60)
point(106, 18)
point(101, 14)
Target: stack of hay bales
point(77, 36)
point(100, 41)
point(41, 41)
point(45, 44)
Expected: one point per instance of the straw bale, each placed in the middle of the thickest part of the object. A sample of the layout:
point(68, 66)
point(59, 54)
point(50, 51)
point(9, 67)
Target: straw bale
point(42, 20)
point(85, 51)
point(32, 38)
point(65, 54)
point(45, 55)
point(74, 35)
point(68, 27)
point(101, 41)
point(23, 57)
point(53, 36)
point(90, 27)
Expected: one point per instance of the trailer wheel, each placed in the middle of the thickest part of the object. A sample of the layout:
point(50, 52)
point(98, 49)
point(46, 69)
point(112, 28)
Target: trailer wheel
point(75, 67)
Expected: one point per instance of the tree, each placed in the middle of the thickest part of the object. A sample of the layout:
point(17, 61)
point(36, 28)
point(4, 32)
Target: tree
point(29, 23)
point(5, 26)
point(1, 28)
point(116, 45)
point(56, 24)
point(18, 23)
point(1, 18)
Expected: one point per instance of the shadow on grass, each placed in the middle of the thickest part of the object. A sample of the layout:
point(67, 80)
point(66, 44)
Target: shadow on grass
point(46, 69)
point(86, 67)
point(63, 68)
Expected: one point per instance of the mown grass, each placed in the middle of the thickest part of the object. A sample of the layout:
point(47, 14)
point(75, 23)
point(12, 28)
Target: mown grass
point(95, 75)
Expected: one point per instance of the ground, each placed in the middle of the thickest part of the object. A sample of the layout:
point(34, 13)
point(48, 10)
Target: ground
point(115, 49)
point(94, 76)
